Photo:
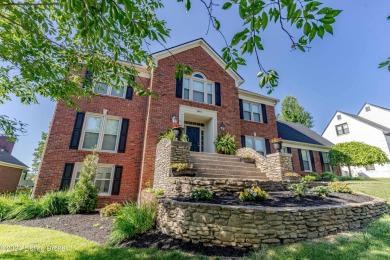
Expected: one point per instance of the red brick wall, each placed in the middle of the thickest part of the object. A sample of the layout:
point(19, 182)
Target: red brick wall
point(57, 151)
point(6, 144)
point(9, 178)
point(296, 164)
point(166, 105)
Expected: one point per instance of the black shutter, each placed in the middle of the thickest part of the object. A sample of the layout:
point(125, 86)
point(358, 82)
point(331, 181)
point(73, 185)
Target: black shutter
point(116, 184)
point(67, 176)
point(267, 146)
point(130, 90)
point(313, 165)
point(300, 159)
point(322, 161)
point(264, 113)
point(243, 144)
point(217, 94)
point(179, 88)
point(289, 150)
point(77, 128)
point(123, 135)
point(241, 108)
point(88, 77)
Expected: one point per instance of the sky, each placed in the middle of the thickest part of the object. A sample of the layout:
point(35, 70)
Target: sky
point(339, 72)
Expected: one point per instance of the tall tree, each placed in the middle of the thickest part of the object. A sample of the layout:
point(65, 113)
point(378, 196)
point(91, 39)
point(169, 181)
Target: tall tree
point(47, 44)
point(38, 153)
point(293, 112)
point(356, 154)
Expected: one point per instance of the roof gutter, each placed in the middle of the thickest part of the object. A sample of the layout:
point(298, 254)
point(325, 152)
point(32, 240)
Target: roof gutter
point(13, 165)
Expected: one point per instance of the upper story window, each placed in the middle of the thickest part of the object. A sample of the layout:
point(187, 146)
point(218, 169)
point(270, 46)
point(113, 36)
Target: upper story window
point(101, 132)
point(104, 177)
point(306, 160)
point(256, 143)
point(199, 89)
point(103, 89)
point(326, 161)
point(252, 111)
point(342, 129)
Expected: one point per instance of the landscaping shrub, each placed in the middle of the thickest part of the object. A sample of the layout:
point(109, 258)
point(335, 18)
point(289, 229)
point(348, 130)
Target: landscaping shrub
point(291, 174)
point(110, 210)
point(253, 194)
point(226, 144)
point(180, 166)
point(328, 176)
point(321, 191)
point(157, 191)
point(26, 208)
point(8, 202)
point(132, 220)
point(169, 135)
point(299, 189)
point(84, 197)
point(311, 177)
point(340, 187)
point(55, 203)
point(201, 194)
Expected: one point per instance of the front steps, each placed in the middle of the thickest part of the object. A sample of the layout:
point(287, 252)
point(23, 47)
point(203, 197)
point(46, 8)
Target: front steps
point(211, 165)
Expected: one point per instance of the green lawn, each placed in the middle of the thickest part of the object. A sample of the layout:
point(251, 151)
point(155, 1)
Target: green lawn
point(378, 188)
point(20, 242)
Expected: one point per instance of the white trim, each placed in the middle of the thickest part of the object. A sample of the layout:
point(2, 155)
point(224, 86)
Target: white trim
point(308, 160)
point(11, 165)
point(101, 133)
point(142, 70)
point(257, 98)
point(299, 145)
point(78, 164)
point(196, 43)
point(109, 91)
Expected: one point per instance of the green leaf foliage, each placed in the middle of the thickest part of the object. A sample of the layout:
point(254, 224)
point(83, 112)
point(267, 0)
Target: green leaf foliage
point(357, 154)
point(293, 112)
point(226, 144)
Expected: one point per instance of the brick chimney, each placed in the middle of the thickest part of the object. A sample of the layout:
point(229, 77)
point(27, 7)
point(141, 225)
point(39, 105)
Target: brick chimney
point(5, 144)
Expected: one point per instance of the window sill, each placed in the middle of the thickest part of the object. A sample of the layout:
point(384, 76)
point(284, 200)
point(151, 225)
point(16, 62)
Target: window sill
point(99, 151)
point(103, 95)
point(198, 102)
point(246, 120)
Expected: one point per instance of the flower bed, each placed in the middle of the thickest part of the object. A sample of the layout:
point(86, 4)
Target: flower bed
point(257, 226)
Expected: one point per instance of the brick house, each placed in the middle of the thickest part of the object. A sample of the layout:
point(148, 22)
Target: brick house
point(10, 167)
point(125, 127)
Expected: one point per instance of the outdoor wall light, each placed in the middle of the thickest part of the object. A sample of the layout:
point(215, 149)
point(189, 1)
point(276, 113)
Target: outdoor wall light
point(174, 119)
point(222, 126)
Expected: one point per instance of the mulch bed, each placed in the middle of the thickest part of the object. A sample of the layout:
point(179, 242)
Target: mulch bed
point(89, 226)
point(158, 240)
point(287, 199)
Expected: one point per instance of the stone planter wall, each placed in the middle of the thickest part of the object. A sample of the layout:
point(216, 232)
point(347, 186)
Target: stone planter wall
point(182, 186)
point(255, 227)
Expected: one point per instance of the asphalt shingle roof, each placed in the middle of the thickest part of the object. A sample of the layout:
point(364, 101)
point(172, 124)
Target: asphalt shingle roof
point(368, 122)
point(8, 158)
point(300, 133)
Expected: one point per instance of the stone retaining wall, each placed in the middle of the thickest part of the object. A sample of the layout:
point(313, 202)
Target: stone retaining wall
point(255, 227)
point(182, 186)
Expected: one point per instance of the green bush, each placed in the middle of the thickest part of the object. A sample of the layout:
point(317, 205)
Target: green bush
point(132, 220)
point(253, 194)
point(347, 178)
point(84, 197)
point(328, 176)
point(311, 177)
point(169, 135)
point(201, 194)
point(110, 210)
point(321, 191)
point(226, 144)
point(299, 189)
point(55, 203)
point(8, 201)
point(26, 209)
point(157, 191)
point(340, 187)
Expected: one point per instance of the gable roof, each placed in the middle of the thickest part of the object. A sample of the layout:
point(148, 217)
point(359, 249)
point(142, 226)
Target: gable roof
point(199, 43)
point(299, 133)
point(8, 160)
point(384, 129)
point(387, 109)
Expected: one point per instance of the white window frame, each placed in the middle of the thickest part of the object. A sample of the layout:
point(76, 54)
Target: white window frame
point(101, 134)
point(205, 82)
point(252, 119)
point(109, 91)
point(76, 167)
point(342, 129)
point(254, 142)
point(323, 158)
point(309, 160)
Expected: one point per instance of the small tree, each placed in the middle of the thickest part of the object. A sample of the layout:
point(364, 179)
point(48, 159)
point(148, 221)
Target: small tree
point(356, 154)
point(293, 112)
point(84, 197)
point(38, 152)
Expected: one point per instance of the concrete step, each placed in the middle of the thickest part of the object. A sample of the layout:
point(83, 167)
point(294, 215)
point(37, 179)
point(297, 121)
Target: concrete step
point(226, 166)
point(225, 176)
point(232, 161)
point(229, 172)
point(214, 156)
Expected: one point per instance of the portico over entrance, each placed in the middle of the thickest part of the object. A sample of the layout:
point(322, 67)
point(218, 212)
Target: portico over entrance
point(200, 125)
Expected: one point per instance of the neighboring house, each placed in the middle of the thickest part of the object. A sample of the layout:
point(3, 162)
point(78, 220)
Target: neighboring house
point(310, 150)
point(371, 126)
point(125, 128)
point(10, 167)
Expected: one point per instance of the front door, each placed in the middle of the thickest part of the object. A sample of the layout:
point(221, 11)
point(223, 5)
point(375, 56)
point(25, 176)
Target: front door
point(193, 134)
